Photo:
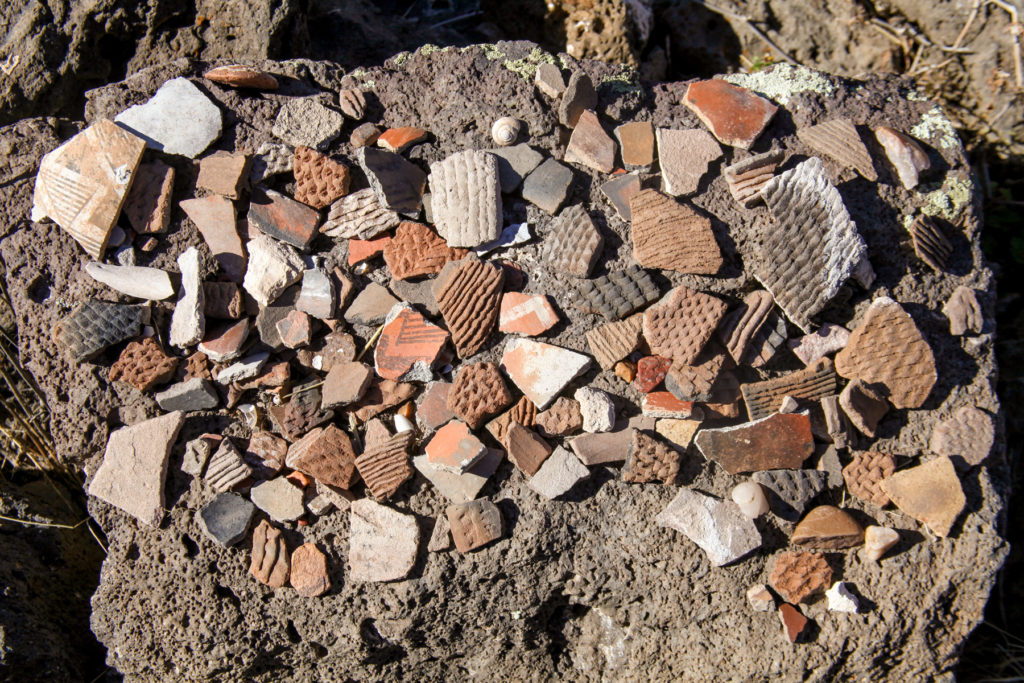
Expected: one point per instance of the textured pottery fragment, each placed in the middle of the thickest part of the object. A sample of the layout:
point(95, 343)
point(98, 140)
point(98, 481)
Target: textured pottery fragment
point(671, 236)
point(465, 197)
point(469, 298)
point(930, 244)
point(385, 466)
point(474, 524)
point(359, 215)
point(810, 384)
point(319, 180)
point(969, 434)
point(681, 324)
point(839, 140)
point(575, 243)
point(747, 177)
point(417, 250)
point(799, 576)
point(611, 342)
point(650, 460)
point(478, 391)
point(791, 490)
point(865, 473)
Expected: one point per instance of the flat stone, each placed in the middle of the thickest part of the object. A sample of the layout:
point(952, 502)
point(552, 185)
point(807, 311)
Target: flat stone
point(131, 476)
point(294, 329)
point(864, 406)
point(178, 119)
point(810, 384)
point(398, 183)
point(547, 186)
point(579, 96)
point(717, 526)
point(143, 364)
point(346, 383)
point(793, 622)
point(283, 218)
point(306, 122)
point(460, 488)
point(383, 543)
point(684, 157)
point(636, 142)
point(799, 576)
point(478, 392)
point(969, 434)
point(575, 243)
point(308, 574)
point(441, 537)
point(888, 349)
point(269, 561)
point(865, 473)
point(82, 185)
point(620, 190)
point(662, 404)
point(735, 115)
point(188, 323)
point(826, 527)
point(760, 598)
point(224, 173)
point(824, 341)
point(811, 248)
point(188, 396)
point(515, 162)
point(225, 342)
point(549, 80)
point(277, 310)
point(905, 154)
point(597, 409)
point(964, 312)
point(789, 491)
point(408, 346)
point(244, 369)
point(611, 342)
point(839, 139)
point(319, 180)
point(541, 371)
point(371, 306)
point(352, 103)
point(671, 236)
point(214, 217)
point(454, 448)
point(650, 460)
point(273, 268)
point(384, 466)
point(222, 300)
point(474, 524)
point(774, 442)
point(560, 472)
point(468, 295)
point(148, 203)
point(317, 296)
point(279, 499)
point(590, 145)
point(681, 324)
point(466, 198)
point(528, 314)
point(226, 519)
point(613, 446)
point(398, 140)
point(239, 76)
point(359, 215)
point(526, 449)
point(511, 235)
point(931, 493)
point(746, 178)
point(678, 432)
point(561, 419)
point(840, 599)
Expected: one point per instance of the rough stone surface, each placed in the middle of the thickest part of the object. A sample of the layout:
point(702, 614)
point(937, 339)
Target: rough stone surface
point(188, 324)
point(273, 267)
point(597, 409)
point(178, 119)
point(306, 122)
point(716, 526)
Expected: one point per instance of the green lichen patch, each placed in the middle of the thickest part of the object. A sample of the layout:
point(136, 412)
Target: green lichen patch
point(950, 200)
point(936, 129)
point(526, 68)
point(627, 80)
point(782, 81)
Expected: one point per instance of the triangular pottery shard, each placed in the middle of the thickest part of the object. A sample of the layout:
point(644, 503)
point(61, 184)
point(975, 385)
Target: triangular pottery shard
point(82, 184)
point(839, 140)
point(746, 178)
point(811, 247)
point(888, 349)
point(669, 235)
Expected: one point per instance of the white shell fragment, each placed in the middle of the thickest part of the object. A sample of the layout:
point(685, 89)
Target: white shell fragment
point(505, 130)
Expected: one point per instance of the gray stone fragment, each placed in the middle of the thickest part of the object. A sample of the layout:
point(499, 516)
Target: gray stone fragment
point(832, 466)
point(547, 186)
point(398, 183)
point(579, 96)
point(197, 454)
point(717, 526)
point(226, 518)
point(279, 498)
point(789, 491)
point(193, 394)
point(178, 119)
point(305, 121)
point(559, 473)
point(371, 305)
point(418, 293)
point(269, 316)
point(441, 536)
point(549, 80)
point(273, 267)
point(125, 255)
point(188, 322)
point(514, 164)
point(247, 368)
point(597, 409)
point(464, 487)
point(511, 235)
point(317, 296)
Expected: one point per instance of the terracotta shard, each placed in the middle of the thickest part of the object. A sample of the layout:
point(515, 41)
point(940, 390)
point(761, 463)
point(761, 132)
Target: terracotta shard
point(465, 197)
point(575, 242)
point(455, 448)
point(930, 493)
point(561, 419)
point(327, 457)
point(695, 382)
point(214, 216)
point(81, 186)
point(266, 454)
point(840, 140)
point(930, 244)
point(240, 76)
point(224, 173)
point(618, 293)
point(746, 178)
point(541, 371)
point(589, 145)
point(864, 475)
point(364, 250)
point(143, 364)
point(741, 328)
point(671, 236)
point(811, 384)
point(469, 299)
point(864, 406)
point(611, 342)
point(148, 204)
point(399, 139)
point(887, 349)
point(578, 97)
point(529, 314)
point(269, 562)
point(382, 395)
point(681, 324)
point(283, 218)
point(793, 622)
point(827, 528)
point(408, 346)
point(964, 312)
point(735, 115)
point(799, 576)
point(359, 215)
point(417, 250)
point(474, 524)
point(522, 412)
point(526, 449)
point(308, 574)
point(478, 392)
point(811, 248)
point(352, 103)
point(319, 180)
point(94, 325)
point(684, 157)
point(385, 466)
point(780, 441)
point(650, 372)
point(636, 141)
point(968, 434)
point(649, 460)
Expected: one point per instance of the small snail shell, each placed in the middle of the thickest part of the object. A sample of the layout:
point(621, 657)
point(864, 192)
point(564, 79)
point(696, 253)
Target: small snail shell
point(505, 130)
